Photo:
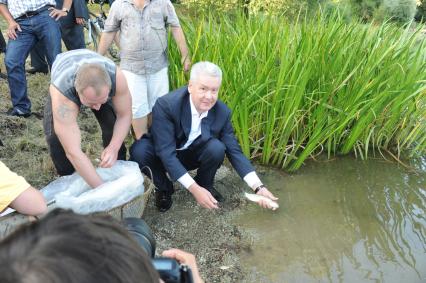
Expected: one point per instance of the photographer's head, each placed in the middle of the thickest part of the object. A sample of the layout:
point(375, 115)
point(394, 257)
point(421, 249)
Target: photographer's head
point(67, 247)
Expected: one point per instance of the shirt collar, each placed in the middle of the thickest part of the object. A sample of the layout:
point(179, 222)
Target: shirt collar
point(194, 111)
point(147, 2)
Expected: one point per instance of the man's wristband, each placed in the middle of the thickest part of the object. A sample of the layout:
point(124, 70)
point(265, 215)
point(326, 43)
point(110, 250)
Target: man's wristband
point(259, 188)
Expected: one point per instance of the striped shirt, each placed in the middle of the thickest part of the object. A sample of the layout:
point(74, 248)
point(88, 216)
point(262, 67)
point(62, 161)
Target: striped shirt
point(18, 8)
point(65, 68)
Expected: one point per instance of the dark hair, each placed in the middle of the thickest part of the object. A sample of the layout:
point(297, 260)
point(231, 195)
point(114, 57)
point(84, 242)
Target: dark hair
point(67, 247)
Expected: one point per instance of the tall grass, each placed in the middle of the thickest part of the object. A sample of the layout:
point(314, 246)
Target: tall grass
point(297, 89)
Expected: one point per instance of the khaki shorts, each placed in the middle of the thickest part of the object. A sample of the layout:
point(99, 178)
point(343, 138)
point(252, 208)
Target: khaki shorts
point(11, 186)
point(145, 89)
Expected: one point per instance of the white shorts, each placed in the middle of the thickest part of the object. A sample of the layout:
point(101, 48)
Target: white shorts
point(145, 89)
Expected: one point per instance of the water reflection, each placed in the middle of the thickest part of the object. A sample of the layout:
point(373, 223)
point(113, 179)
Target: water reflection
point(341, 221)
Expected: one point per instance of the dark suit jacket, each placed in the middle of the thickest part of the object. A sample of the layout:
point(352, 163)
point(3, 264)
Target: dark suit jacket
point(78, 10)
point(171, 125)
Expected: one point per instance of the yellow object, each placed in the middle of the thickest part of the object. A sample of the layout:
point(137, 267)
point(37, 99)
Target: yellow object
point(11, 186)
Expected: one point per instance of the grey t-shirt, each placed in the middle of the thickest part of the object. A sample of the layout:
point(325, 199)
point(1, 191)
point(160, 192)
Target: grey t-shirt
point(65, 67)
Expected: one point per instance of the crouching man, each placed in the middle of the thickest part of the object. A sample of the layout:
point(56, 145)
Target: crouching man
point(83, 77)
point(192, 129)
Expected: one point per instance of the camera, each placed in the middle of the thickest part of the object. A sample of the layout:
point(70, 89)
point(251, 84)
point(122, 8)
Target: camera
point(169, 269)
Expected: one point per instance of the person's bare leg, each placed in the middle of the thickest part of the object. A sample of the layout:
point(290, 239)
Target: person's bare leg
point(30, 202)
point(140, 126)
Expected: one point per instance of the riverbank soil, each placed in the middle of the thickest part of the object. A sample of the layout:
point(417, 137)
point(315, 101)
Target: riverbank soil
point(210, 235)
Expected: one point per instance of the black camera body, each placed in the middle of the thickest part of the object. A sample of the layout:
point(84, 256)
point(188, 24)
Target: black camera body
point(169, 269)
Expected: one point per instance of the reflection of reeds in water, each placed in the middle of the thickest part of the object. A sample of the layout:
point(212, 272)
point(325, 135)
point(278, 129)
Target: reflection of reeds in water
point(345, 220)
point(396, 228)
point(384, 211)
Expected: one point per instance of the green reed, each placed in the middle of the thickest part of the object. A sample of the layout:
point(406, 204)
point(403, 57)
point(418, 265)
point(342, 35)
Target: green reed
point(298, 89)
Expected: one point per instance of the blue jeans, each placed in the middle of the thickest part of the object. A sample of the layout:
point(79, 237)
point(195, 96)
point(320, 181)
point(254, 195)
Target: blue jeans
point(40, 27)
point(73, 37)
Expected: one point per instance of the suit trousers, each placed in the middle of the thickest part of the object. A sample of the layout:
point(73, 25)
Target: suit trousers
point(206, 157)
point(106, 118)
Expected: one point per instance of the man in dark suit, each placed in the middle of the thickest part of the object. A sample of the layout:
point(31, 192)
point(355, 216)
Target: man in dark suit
point(72, 34)
point(192, 129)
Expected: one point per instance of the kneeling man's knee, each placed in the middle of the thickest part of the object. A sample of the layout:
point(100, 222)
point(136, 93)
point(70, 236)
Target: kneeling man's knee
point(215, 149)
point(140, 151)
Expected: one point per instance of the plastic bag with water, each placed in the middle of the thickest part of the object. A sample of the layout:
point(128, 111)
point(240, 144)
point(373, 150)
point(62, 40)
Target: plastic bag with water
point(122, 183)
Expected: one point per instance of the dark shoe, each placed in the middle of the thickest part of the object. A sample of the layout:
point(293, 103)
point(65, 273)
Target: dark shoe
point(163, 200)
point(33, 71)
point(216, 195)
point(18, 113)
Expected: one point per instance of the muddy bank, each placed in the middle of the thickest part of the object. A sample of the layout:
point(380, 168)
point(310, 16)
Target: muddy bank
point(211, 236)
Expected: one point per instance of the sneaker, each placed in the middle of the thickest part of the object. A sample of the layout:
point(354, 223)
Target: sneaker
point(216, 195)
point(163, 200)
point(18, 113)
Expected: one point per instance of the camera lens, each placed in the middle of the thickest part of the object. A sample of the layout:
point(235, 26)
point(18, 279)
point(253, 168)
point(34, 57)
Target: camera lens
point(141, 233)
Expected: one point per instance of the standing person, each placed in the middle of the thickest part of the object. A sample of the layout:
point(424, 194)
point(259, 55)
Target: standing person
point(72, 34)
point(191, 129)
point(2, 50)
point(2, 43)
point(83, 77)
point(29, 22)
point(16, 193)
point(143, 51)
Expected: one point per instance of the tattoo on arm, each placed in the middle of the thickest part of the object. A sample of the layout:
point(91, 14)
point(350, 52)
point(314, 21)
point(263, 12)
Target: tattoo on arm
point(64, 111)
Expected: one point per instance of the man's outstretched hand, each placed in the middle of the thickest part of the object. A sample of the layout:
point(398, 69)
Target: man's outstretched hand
point(266, 193)
point(203, 196)
point(108, 157)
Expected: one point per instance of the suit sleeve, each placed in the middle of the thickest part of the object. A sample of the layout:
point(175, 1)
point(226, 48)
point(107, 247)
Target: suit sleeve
point(234, 153)
point(163, 134)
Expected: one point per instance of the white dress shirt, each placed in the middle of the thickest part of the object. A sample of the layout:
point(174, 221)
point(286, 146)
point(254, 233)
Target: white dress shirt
point(186, 180)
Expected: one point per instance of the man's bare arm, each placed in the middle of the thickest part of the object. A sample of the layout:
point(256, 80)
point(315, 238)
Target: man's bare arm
point(106, 41)
point(122, 103)
point(59, 13)
point(13, 26)
point(66, 128)
point(179, 37)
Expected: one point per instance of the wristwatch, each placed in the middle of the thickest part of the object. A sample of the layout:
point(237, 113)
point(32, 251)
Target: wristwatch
point(259, 188)
point(66, 10)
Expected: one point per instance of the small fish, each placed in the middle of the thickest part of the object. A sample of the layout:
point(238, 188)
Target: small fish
point(257, 198)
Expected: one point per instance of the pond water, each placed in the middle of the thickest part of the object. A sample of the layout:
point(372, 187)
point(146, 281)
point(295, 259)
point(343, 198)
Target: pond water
point(345, 220)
